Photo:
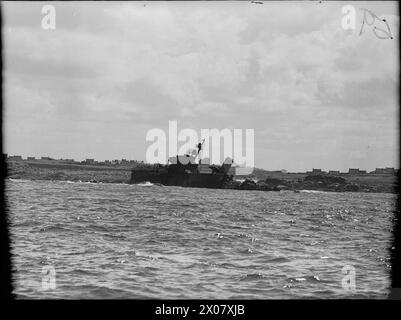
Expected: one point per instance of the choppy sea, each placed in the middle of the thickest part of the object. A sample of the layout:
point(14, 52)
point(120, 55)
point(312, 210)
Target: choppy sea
point(119, 241)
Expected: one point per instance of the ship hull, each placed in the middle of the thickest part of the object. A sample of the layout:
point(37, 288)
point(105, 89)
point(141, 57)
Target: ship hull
point(177, 175)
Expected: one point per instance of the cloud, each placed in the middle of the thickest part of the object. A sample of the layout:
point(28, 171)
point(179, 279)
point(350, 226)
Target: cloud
point(288, 70)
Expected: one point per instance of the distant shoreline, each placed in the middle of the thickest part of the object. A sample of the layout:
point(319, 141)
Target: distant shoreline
point(268, 181)
point(67, 172)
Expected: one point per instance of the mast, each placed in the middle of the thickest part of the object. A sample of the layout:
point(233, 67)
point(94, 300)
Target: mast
point(199, 146)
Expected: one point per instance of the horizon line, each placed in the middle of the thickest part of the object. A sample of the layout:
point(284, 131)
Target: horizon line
point(84, 161)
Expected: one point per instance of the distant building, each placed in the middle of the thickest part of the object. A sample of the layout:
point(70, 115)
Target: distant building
point(317, 171)
point(46, 158)
point(384, 171)
point(133, 161)
point(89, 161)
point(124, 161)
point(107, 161)
point(334, 172)
point(31, 158)
point(15, 157)
point(390, 170)
point(356, 171)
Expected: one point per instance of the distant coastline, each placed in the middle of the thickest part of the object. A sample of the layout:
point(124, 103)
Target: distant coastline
point(260, 179)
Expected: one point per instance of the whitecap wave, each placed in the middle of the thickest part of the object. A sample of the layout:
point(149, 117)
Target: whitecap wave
point(312, 191)
point(18, 180)
point(145, 184)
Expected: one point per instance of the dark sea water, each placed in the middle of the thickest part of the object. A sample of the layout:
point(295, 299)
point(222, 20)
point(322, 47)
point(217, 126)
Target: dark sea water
point(144, 241)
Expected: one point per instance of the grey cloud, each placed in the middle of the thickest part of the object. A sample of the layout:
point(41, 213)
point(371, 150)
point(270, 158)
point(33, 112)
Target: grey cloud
point(373, 93)
point(51, 67)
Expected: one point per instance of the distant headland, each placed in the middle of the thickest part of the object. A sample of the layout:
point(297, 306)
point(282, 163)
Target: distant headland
point(119, 171)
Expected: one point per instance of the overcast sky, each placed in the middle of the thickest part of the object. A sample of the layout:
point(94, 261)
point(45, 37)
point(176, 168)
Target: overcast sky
point(317, 96)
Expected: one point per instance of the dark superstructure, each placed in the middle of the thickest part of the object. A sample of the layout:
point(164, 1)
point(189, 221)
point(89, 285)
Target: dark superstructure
point(184, 171)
